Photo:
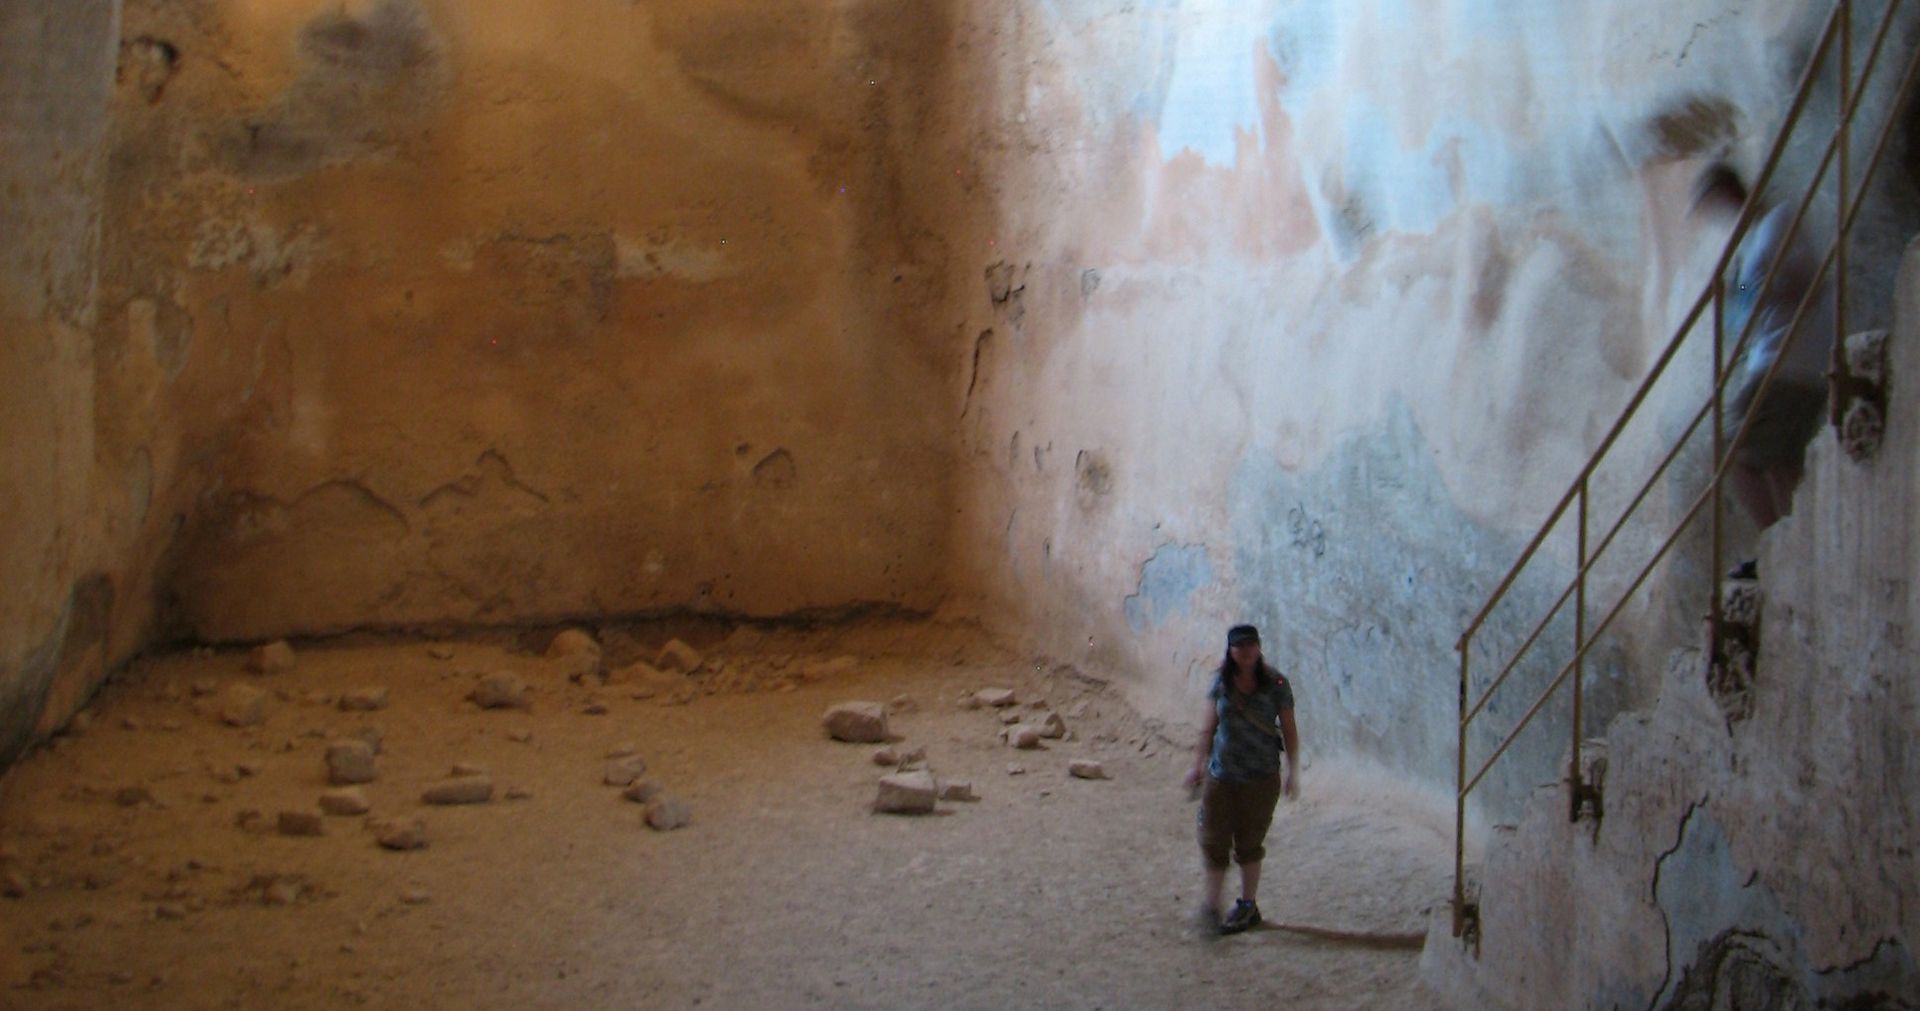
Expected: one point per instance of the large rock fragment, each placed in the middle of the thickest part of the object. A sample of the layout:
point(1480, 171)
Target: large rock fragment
point(243, 706)
point(907, 793)
point(857, 722)
point(500, 690)
point(1053, 727)
point(349, 762)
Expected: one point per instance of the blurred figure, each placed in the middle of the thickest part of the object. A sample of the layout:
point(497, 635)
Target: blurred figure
point(1768, 460)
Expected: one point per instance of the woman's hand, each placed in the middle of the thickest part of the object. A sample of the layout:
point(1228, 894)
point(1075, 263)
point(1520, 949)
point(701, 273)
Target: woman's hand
point(1193, 779)
point(1290, 783)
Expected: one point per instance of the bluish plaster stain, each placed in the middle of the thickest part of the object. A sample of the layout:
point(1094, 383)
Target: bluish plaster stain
point(1366, 574)
point(1168, 582)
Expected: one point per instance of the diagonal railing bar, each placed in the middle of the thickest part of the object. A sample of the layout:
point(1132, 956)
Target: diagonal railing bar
point(1848, 200)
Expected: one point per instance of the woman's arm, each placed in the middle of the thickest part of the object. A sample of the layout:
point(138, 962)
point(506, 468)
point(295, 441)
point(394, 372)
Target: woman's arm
point(1291, 734)
point(1208, 724)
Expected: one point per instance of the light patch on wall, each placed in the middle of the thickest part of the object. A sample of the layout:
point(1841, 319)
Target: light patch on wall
point(1168, 582)
point(1210, 99)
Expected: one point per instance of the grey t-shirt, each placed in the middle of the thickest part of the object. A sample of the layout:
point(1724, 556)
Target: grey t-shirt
point(1242, 751)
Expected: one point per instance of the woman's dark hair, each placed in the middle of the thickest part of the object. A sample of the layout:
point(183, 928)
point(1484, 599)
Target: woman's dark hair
point(1264, 676)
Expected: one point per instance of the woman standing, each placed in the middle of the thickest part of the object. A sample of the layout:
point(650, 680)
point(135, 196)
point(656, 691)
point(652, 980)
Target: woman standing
point(1237, 767)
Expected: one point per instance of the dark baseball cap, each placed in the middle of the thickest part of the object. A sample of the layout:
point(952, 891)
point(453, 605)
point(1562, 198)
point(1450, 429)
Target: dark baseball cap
point(1243, 633)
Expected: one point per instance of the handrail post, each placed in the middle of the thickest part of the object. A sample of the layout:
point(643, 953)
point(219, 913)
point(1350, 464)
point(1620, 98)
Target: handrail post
point(1460, 801)
point(1576, 789)
point(1837, 366)
point(1718, 559)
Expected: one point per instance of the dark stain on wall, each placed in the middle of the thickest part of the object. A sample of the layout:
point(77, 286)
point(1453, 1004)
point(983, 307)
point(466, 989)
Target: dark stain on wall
point(367, 85)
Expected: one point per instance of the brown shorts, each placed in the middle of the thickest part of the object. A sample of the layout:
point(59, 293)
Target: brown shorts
point(1234, 818)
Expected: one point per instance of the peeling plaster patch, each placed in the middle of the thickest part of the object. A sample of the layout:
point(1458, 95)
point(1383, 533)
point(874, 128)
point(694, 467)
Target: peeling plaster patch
point(1346, 563)
point(1168, 582)
point(1727, 934)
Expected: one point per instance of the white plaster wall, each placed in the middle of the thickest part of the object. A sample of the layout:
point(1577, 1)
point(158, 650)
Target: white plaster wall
point(1306, 313)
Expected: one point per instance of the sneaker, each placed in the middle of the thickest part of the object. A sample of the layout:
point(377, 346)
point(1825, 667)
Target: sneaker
point(1245, 916)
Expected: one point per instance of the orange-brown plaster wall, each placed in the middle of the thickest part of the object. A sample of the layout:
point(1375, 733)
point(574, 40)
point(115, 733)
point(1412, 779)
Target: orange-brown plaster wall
point(325, 316)
point(521, 311)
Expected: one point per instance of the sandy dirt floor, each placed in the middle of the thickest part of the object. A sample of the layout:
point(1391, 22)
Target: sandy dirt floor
point(141, 879)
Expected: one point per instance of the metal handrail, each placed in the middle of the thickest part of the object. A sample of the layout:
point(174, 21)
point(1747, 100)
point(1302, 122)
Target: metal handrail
point(1847, 205)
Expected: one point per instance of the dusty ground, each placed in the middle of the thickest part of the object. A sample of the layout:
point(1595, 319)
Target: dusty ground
point(784, 891)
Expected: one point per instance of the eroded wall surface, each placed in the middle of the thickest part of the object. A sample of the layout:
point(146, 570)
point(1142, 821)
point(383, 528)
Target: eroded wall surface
point(56, 68)
point(1306, 313)
point(516, 311)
